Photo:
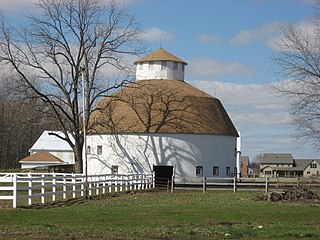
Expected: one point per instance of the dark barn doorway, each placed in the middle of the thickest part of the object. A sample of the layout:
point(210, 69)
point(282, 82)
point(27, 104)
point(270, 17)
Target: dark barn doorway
point(163, 175)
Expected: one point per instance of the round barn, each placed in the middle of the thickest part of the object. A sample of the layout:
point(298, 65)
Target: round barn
point(161, 123)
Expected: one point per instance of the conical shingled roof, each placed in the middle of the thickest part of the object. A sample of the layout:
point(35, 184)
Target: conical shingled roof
point(160, 55)
point(162, 106)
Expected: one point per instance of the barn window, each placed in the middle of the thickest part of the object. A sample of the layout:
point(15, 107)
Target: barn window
point(163, 64)
point(88, 149)
point(140, 65)
point(228, 172)
point(114, 169)
point(215, 170)
point(175, 66)
point(199, 170)
point(99, 149)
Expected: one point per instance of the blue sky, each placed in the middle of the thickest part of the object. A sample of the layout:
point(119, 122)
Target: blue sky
point(228, 45)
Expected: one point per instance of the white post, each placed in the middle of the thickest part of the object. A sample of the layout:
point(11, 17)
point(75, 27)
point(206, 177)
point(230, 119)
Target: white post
point(121, 183)
point(104, 184)
point(42, 188)
point(54, 186)
point(204, 185)
point(30, 189)
point(97, 186)
point(90, 186)
point(73, 186)
point(266, 190)
point(15, 190)
point(82, 186)
point(110, 183)
point(234, 184)
point(172, 184)
point(64, 187)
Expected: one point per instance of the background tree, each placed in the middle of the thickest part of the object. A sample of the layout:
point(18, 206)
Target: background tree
point(21, 122)
point(299, 62)
point(68, 40)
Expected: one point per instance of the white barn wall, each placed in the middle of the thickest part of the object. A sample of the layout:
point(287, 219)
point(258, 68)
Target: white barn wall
point(137, 153)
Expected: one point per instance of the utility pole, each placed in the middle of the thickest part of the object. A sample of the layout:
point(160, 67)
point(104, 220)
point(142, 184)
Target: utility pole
point(84, 132)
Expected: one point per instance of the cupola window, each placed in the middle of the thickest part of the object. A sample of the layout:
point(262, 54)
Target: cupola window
point(151, 64)
point(175, 66)
point(163, 64)
point(141, 65)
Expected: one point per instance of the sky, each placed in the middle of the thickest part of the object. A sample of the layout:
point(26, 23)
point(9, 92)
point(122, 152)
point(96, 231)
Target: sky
point(228, 45)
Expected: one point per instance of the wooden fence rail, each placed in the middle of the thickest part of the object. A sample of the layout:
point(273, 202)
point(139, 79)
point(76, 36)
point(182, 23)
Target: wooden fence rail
point(235, 184)
point(47, 187)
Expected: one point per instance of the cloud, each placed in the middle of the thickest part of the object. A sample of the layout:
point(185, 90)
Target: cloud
point(15, 4)
point(204, 38)
point(157, 34)
point(264, 33)
point(203, 66)
point(262, 118)
point(306, 27)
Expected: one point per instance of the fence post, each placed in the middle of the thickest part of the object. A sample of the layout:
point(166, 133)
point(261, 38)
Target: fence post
point(266, 190)
point(42, 188)
point(204, 185)
point(15, 190)
point(154, 180)
point(54, 188)
point(172, 184)
point(90, 185)
point(73, 185)
point(234, 184)
point(30, 189)
point(104, 184)
point(64, 187)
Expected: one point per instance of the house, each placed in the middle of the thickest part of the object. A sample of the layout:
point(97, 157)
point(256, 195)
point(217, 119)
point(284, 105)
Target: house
point(284, 165)
point(48, 150)
point(161, 123)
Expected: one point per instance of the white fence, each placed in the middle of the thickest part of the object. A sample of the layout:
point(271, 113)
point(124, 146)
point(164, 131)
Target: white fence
point(49, 187)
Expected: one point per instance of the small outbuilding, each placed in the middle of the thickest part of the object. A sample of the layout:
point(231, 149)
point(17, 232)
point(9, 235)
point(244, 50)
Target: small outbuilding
point(48, 150)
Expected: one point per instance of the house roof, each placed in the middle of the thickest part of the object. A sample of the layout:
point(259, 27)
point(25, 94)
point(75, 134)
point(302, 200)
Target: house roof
point(277, 158)
point(50, 142)
point(162, 106)
point(41, 157)
point(302, 164)
point(160, 55)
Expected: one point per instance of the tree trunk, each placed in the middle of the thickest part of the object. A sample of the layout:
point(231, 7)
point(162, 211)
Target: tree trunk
point(78, 165)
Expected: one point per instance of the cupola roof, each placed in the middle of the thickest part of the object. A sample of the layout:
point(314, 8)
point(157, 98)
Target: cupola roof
point(160, 55)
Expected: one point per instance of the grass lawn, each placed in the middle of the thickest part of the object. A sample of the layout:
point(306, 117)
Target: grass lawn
point(158, 215)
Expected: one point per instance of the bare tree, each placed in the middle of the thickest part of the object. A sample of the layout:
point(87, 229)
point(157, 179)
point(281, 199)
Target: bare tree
point(70, 40)
point(299, 62)
point(21, 122)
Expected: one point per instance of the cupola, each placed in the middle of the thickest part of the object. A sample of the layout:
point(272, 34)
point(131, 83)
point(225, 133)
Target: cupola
point(160, 64)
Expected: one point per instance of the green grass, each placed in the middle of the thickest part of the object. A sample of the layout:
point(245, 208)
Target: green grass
point(158, 215)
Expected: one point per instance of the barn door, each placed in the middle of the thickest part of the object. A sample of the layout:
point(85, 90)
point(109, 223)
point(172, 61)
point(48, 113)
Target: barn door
point(163, 175)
